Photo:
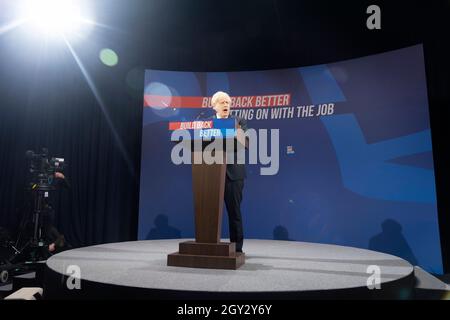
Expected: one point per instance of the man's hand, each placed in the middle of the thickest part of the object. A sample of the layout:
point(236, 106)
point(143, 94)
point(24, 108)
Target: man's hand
point(59, 175)
point(52, 247)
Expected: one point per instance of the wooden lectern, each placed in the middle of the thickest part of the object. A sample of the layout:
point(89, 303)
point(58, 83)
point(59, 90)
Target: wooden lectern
point(208, 182)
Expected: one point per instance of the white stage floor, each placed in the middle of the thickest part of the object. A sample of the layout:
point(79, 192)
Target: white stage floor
point(270, 267)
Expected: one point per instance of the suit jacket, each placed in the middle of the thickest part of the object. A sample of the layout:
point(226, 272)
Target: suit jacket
point(237, 171)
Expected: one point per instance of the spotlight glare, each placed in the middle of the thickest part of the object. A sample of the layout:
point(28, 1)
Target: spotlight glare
point(54, 16)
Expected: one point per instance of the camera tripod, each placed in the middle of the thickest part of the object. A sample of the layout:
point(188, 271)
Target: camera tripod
point(35, 248)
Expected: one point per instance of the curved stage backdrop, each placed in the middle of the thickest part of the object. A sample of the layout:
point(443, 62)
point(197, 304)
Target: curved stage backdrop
point(355, 156)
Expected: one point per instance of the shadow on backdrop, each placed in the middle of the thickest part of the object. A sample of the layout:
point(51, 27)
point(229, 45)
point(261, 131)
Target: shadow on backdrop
point(281, 233)
point(162, 229)
point(392, 241)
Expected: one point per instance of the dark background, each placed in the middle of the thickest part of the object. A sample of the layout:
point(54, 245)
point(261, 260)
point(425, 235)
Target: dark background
point(46, 101)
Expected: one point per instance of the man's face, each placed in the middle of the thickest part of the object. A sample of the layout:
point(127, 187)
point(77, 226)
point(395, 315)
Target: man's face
point(222, 107)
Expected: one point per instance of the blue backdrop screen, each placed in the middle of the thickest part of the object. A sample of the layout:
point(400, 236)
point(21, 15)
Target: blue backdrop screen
point(355, 157)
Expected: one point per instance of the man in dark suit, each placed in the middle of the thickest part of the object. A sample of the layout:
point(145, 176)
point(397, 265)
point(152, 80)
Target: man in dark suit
point(234, 182)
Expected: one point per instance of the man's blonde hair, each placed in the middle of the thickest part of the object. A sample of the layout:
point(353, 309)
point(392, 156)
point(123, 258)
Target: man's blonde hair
point(217, 95)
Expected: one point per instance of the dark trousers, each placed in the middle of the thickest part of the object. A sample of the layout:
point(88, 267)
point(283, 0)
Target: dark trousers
point(233, 198)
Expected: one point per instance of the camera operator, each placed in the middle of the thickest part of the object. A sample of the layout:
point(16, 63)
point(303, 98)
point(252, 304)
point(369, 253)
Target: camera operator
point(56, 240)
point(45, 179)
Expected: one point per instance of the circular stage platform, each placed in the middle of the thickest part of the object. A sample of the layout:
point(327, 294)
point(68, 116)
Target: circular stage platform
point(272, 270)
